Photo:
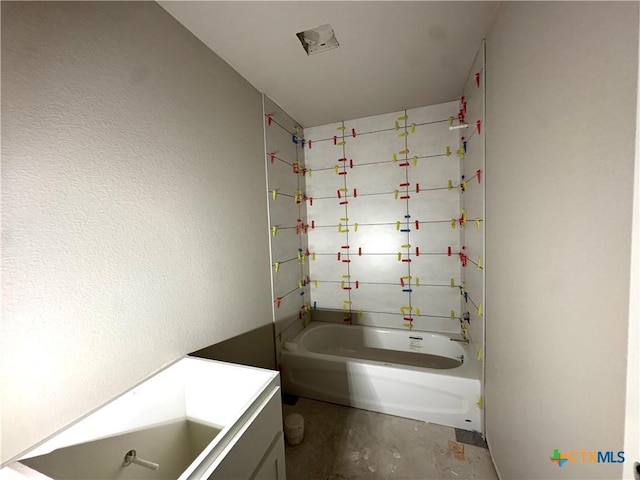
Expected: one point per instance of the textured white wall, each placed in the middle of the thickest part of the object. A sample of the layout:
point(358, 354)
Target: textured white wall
point(133, 206)
point(561, 103)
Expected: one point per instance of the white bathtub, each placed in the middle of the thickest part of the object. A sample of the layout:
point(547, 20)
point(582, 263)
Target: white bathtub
point(416, 375)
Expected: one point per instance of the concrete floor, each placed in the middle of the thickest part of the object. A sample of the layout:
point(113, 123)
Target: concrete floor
point(343, 443)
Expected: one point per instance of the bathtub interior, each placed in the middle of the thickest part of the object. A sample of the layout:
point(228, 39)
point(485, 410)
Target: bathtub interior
point(419, 349)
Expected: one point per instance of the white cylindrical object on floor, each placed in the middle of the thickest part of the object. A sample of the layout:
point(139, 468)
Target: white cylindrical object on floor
point(294, 428)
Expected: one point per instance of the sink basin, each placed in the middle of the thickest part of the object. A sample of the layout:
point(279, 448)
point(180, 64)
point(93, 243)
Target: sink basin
point(181, 418)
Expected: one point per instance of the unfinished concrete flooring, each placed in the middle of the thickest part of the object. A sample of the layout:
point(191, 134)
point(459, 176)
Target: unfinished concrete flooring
point(346, 443)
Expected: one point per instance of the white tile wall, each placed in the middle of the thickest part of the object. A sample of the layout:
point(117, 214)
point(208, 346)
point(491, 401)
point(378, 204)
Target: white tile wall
point(284, 213)
point(396, 170)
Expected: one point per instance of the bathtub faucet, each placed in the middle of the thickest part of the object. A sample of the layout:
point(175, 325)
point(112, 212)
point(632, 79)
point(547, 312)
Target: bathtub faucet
point(461, 340)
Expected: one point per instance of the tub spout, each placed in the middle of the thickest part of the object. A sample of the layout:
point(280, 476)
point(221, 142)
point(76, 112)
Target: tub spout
point(461, 340)
point(132, 457)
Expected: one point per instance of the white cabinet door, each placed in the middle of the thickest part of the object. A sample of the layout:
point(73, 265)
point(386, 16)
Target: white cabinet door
point(252, 442)
point(272, 467)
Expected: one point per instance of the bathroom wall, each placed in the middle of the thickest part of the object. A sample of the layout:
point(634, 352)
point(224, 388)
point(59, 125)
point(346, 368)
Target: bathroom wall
point(133, 206)
point(473, 226)
point(561, 113)
point(383, 208)
point(286, 173)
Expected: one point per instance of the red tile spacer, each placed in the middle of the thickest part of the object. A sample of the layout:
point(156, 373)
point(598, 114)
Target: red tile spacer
point(360, 251)
point(408, 319)
point(478, 79)
point(335, 140)
point(479, 175)
point(417, 225)
point(311, 201)
point(351, 163)
point(355, 193)
point(346, 288)
point(417, 188)
point(342, 173)
point(405, 197)
point(346, 261)
point(403, 164)
point(406, 260)
point(448, 251)
point(313, 224)
point(309, 144)
point(272, 156)
point(339, 256)
point(342, 159)
point(401, 282)
point(339, 194)
point(278, 300)
point(405, 184)
point(269, 119)
point(353, 132)
point(344, 203)
point(345, 246)
point(417, 251)
point(479, 126)
point(357, 284)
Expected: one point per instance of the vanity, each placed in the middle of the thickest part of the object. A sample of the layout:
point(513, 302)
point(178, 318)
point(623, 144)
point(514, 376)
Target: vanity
point(195, 419)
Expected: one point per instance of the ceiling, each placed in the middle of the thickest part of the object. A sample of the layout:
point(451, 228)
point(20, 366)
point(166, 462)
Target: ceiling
point(392, 55)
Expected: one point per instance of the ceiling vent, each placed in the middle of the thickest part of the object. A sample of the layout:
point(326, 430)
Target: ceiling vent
point(319, 39)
